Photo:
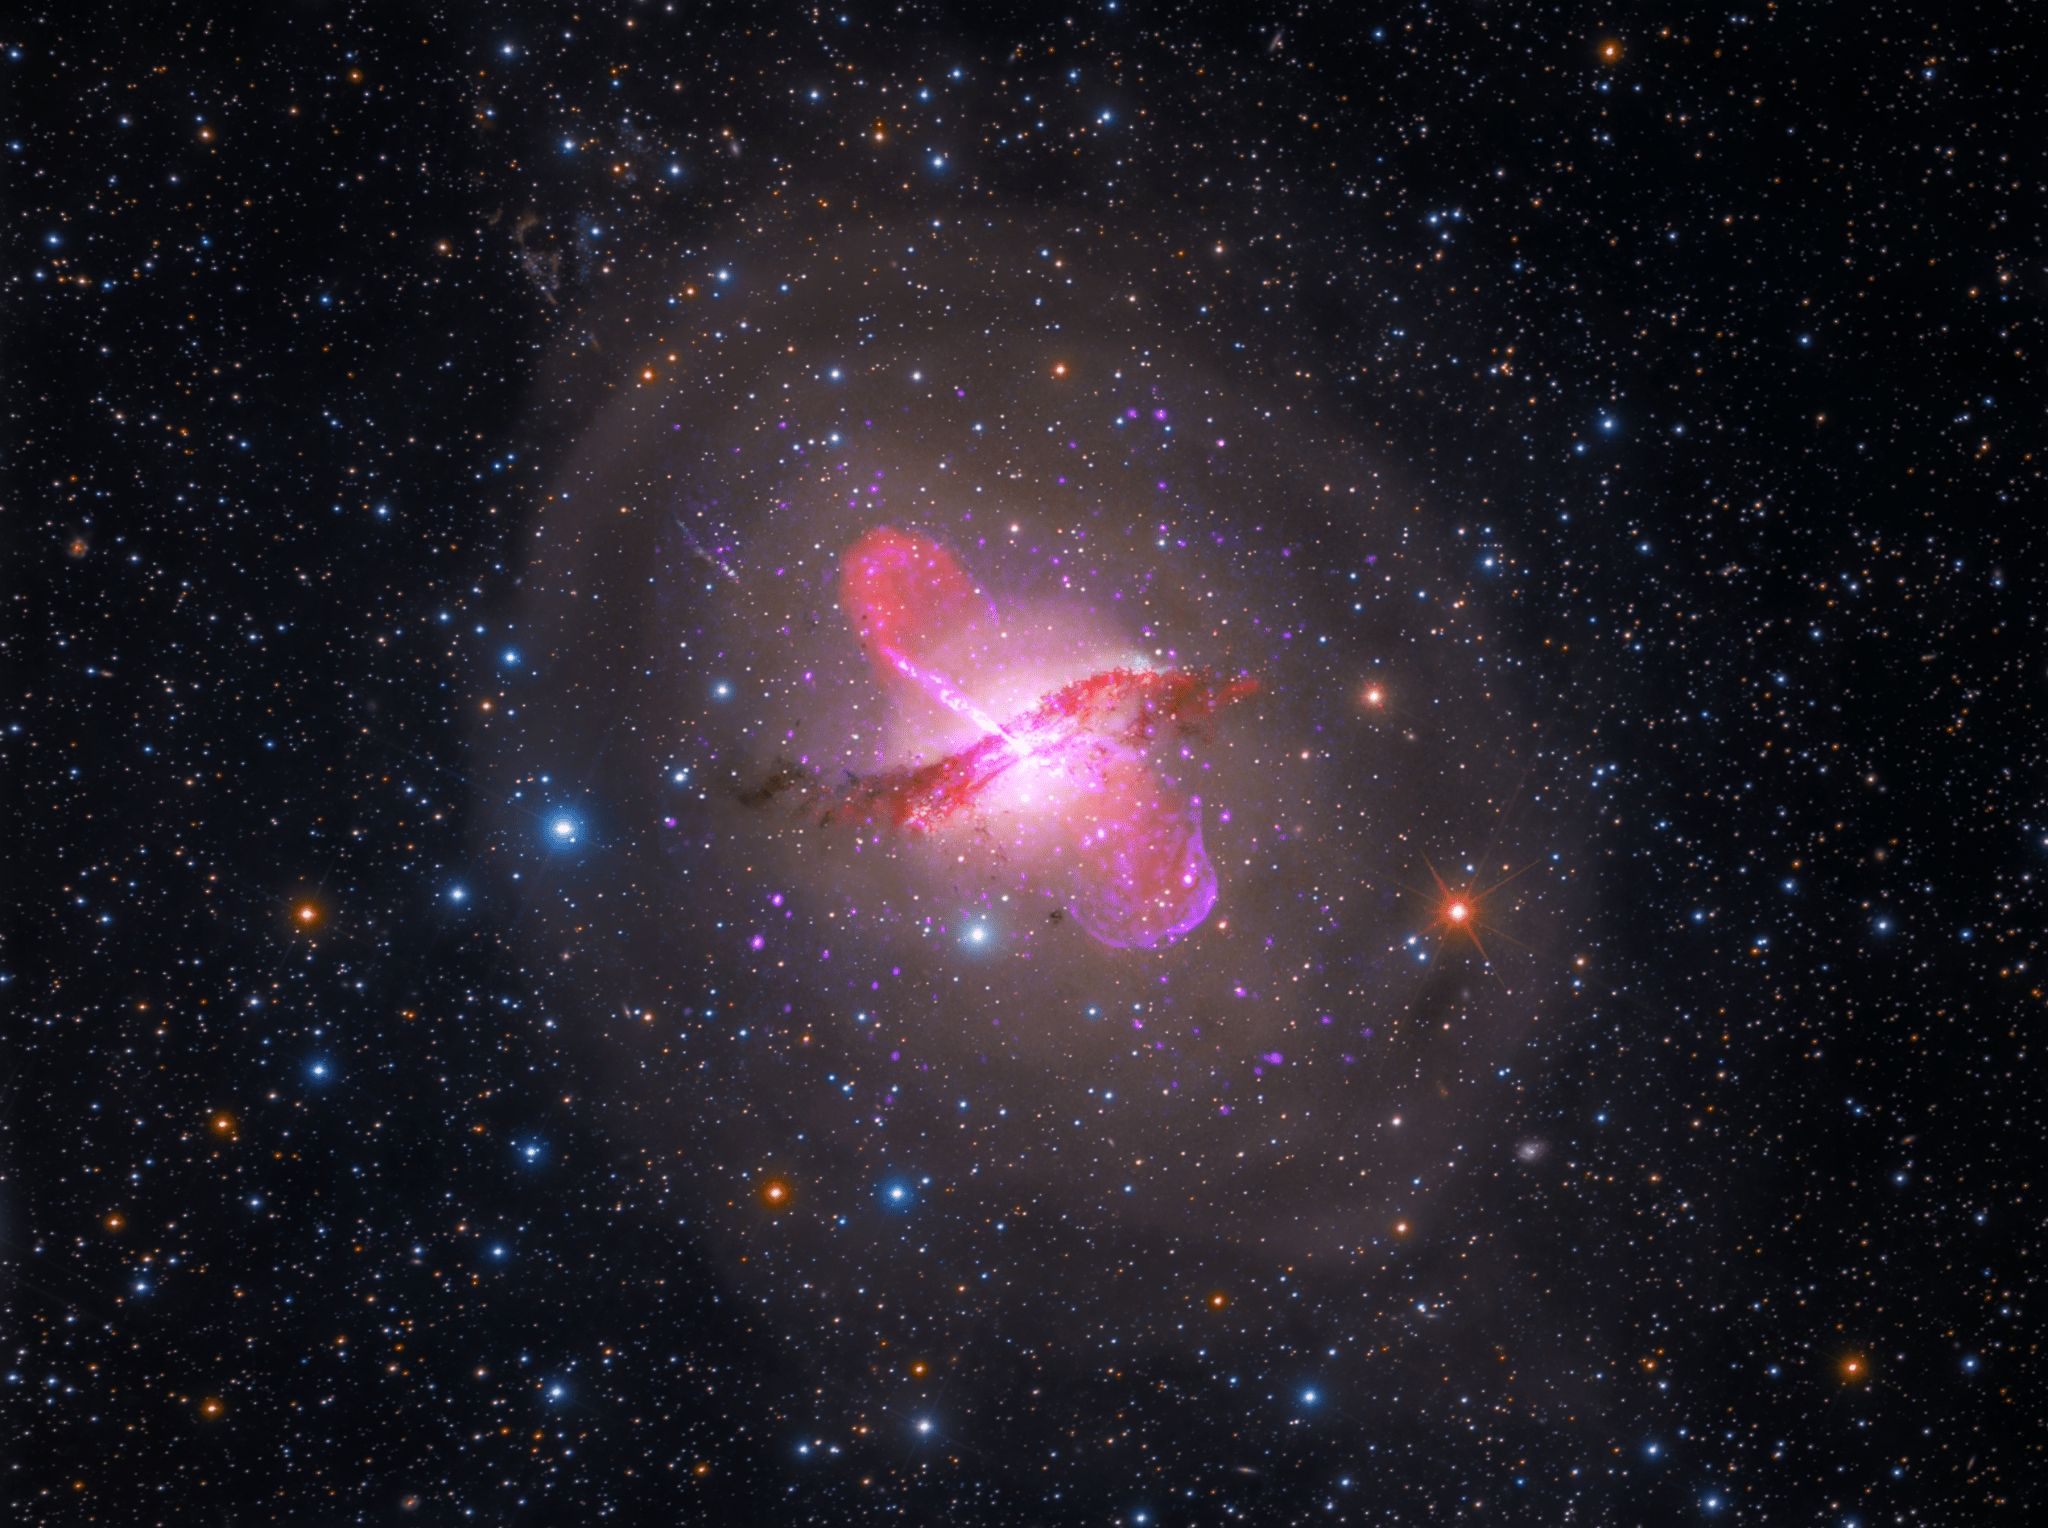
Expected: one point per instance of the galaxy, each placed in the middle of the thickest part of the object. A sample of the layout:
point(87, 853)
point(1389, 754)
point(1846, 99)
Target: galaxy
point(1005, 810)
point(1117, 766)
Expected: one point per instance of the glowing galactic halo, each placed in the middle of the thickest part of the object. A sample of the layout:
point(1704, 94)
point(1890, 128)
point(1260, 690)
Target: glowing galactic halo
point(1007, 745)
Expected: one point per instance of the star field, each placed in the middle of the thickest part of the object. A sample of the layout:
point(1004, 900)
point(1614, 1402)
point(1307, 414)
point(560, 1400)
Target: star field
point(491, 1044)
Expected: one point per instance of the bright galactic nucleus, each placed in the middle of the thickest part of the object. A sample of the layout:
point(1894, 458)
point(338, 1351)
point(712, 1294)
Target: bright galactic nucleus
point(1063, 791)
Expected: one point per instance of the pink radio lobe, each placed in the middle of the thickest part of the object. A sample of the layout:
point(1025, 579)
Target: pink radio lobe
point(906, 597)
point(1063, 791)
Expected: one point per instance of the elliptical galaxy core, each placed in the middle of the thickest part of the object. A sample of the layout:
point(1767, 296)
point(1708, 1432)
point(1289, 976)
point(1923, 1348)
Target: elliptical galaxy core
point(1063, 791)
point(1009, 731)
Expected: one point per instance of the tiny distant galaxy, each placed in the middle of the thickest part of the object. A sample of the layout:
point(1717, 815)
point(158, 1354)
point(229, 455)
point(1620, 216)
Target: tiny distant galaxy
point(820, 766)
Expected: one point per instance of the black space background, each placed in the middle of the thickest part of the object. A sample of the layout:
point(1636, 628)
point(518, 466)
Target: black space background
point(234, 313)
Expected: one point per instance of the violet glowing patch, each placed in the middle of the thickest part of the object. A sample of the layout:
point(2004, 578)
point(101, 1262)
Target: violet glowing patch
point(1066, 786)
